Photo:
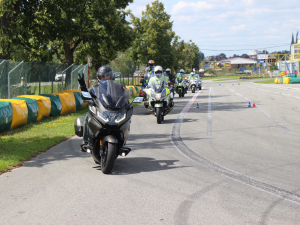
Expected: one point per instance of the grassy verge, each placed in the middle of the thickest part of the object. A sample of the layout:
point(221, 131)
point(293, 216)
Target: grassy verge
point(23, 143)
point(227, 78)
point(268, 81)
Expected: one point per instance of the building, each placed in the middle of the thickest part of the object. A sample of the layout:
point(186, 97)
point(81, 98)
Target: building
point(237, 62)
point(253, 54)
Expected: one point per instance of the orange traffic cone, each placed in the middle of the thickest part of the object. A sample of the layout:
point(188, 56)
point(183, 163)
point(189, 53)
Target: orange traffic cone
point(254, 105)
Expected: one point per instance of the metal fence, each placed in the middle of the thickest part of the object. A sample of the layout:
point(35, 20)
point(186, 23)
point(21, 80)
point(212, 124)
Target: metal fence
point(19, 78)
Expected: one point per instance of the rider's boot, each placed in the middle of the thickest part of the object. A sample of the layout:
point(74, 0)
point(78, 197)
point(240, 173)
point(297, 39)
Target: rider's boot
point(84, 146)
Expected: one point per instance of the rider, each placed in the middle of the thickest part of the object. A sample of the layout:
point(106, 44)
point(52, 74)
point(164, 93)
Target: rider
point(148, 72)
point(192, 76)
point(180, 75)
point(103, 73)
point(171, 76)
point(158, 76)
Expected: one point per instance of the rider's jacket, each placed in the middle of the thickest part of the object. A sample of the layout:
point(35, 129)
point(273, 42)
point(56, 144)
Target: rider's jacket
point(156, 80)
point(192, 77)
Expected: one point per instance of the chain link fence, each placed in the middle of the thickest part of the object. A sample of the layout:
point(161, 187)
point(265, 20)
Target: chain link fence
point(19, 78)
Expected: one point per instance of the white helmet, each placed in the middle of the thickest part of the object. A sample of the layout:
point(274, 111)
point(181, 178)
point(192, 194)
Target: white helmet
point(181, 71)
point(158, 71)
point(192, 73)
point(168, 70)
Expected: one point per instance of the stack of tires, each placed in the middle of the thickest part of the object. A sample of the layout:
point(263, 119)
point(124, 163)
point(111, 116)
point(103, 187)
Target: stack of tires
point(24, 109)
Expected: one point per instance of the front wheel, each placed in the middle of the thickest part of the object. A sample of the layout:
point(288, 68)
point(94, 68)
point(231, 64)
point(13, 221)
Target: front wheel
point(108, 157)
point(158, 115)
point(193, 89)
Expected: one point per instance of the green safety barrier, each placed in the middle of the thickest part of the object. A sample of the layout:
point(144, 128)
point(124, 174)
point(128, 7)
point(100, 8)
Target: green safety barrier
point(78, 100)
point(56, 104)
point(136, 88)
point(6, 115)
point(33, 108)
point(295, 80)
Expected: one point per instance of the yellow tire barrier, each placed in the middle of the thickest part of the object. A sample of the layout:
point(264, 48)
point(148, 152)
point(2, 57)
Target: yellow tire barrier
point(286, 80)
point(44, 104)
point(68, 102)
point(133, 89)
point(20, 112)
point(84, 104)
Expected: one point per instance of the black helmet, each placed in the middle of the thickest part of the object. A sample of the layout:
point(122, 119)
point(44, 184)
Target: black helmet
point(105, 73)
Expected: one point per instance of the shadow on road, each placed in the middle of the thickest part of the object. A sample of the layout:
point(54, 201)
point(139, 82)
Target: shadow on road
point(126, 166)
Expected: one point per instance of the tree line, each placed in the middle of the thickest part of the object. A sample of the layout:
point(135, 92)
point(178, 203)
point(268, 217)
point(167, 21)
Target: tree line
point(68, 31)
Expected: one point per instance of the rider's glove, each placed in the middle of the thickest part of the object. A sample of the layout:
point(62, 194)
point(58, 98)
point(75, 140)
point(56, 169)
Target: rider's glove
point(81, 81)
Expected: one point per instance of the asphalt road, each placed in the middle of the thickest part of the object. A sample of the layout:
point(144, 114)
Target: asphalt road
point(213, 161)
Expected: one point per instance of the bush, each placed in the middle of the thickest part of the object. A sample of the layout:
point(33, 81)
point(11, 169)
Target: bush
point(211, 71)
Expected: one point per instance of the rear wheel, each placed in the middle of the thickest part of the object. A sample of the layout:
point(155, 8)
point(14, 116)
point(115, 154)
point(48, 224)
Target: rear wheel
point(158, 115)
point(200, 88)
point(108, 157)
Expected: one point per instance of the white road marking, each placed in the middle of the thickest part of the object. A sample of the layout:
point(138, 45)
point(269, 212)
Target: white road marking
point(209, 118)
point(267, 114)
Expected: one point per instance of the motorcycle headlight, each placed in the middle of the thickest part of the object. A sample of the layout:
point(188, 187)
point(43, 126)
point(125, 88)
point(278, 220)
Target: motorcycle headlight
point(152, 95)
point(111, 118)
point(158, 96)
point(163, 95)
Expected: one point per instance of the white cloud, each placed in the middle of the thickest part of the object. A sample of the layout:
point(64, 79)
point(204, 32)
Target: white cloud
point(217, 24)
point(183, 7)
point(238, 28)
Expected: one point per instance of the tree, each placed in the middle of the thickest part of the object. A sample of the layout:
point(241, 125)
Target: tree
point(245, 56)
point(66, 28)
point(223, 56)
point(153, 36)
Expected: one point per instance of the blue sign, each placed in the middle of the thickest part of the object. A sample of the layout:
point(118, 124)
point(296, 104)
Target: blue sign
point(261, 61)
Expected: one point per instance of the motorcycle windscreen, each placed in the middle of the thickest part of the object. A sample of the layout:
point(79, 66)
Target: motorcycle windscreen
point(158, 83)
point(112, 94)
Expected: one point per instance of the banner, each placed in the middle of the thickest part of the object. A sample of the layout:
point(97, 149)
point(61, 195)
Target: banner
point(215, 65)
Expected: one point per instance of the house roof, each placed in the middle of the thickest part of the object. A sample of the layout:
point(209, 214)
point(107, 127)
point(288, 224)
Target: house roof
point(239, 60)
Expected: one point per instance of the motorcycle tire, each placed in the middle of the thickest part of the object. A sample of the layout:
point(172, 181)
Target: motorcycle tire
point(158, 115)
point(200, 88)
point(193, 89)
point(182, 95)
point(108, 159)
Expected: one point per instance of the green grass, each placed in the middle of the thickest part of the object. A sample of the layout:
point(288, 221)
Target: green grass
point(268, 81)
point(227, 78)
point(45, 89)
point(23, 143)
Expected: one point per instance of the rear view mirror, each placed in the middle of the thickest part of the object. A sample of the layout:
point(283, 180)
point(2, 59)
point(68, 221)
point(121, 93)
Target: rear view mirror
point(86, 96)
point(137, 100)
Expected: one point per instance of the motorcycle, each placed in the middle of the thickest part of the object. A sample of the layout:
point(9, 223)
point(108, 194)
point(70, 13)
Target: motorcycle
point(107, 124)
point(193, 85)
point(159, 98)
point(180, 87)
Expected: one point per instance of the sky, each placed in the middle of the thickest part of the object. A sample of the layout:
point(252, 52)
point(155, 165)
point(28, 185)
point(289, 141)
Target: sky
point(232, 26)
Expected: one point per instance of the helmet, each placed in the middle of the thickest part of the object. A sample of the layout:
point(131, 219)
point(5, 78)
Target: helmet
point(105, 73)
point(158, 71)
point(168, 71)
point(192, 73)
point(151, 64)
point(181, 71)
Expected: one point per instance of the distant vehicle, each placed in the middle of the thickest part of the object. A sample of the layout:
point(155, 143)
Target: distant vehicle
point(118, 75)
point(59, 75)
point(137, 73)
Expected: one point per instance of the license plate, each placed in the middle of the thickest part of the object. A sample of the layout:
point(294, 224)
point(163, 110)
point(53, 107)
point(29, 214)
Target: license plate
point(158, 105)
